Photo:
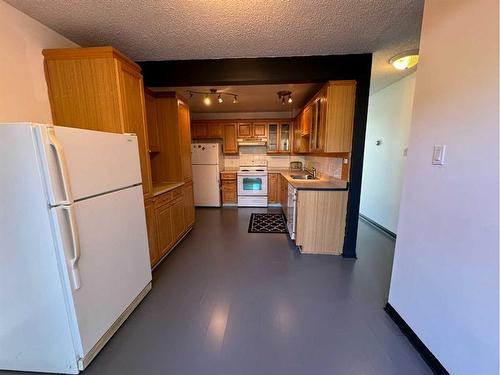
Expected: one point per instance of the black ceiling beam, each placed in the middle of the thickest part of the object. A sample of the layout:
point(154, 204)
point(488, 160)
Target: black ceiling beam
point(255, 71)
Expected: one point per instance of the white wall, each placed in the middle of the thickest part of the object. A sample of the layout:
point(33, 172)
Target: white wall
point(445, 274)
point(389, 118)
point(23, 90)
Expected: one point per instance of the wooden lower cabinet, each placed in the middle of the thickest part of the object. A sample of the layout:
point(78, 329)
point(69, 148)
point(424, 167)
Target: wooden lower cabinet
point(273, 187)
point(168, 217)
point(229, 193)
point(188, 204)
point(164, 230)
point(321, 220)
point(178, 222)
point(283, 191)
point(154, 254)
point(228, 188)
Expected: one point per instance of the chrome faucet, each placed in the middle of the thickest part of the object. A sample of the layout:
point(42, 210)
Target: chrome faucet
point(313, 173)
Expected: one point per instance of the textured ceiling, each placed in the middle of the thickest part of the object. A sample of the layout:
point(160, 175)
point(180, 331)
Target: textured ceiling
point(252, 98)
point(196, 29)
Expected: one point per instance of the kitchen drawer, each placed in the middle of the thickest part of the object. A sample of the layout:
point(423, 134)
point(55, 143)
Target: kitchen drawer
point(163, 199)
point(168, 197)
point(228, 185)
point(176, 193)
point(228, 176)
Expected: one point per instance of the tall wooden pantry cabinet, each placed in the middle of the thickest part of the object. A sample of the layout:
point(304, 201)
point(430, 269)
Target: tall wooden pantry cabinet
point(99, 88)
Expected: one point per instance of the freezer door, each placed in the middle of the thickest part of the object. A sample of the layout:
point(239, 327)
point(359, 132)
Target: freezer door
point(205, 153)
point(104, 243)
point(206, 185)
point(80, 163)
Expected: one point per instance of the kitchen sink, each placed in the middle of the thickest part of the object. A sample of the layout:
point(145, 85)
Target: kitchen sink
point(303, 177)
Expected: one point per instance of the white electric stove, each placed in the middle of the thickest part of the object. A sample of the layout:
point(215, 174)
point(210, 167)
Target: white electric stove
point(252, 185)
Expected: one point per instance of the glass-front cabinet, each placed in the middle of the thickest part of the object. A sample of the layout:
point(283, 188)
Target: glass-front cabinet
point(284, 137)
point(272, 138)
point(278, 137)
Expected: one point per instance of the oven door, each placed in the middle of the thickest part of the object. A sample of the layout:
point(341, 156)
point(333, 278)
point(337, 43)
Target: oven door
point(252, 184)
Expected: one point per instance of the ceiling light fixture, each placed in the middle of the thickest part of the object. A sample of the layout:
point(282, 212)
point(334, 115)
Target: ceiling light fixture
point(213, 92)
point(207, 100)
point(285, 97)
point(405, 60)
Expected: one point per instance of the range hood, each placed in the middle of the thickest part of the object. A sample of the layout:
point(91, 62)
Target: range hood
point(252, 141)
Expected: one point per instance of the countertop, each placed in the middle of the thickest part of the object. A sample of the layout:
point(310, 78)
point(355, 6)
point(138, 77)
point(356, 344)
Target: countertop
point(323, 183)
point(163, 187)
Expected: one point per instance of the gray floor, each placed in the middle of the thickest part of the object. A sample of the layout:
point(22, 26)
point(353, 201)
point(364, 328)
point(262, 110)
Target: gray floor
point(230, 302)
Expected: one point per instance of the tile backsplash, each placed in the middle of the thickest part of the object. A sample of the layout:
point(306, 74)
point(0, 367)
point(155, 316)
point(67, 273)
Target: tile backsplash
point(325, 165)
point(252, 154)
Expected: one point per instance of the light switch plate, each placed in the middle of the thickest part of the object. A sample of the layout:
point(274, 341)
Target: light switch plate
point(438, 154)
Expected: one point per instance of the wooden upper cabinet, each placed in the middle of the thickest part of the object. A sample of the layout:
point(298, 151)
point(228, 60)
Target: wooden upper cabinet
point(230, 139)
point(98, 88)
point(279, 137)
point(83, 90)
point(206, 130)
point(300, 143)
point(245, 130)
point(185, 140)
point(306, 121)
point(199, 130)
point(214, 130)
point(152, 122)
point(135, 117)
point(252, 129)
point(340, 103)
point(259, 129)
point(173, 162)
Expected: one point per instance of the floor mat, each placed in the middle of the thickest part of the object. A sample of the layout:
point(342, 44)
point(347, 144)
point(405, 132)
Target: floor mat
point(267, 223)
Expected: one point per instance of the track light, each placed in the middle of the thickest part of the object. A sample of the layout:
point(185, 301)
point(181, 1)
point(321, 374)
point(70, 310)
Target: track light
point(285, 97)
point(207, 96)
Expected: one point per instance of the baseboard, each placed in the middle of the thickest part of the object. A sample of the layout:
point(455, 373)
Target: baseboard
point(429, 358)
point(377, 226)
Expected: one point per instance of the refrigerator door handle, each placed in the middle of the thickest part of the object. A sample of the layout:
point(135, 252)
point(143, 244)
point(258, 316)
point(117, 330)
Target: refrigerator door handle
point(75, 241)
point(61, 161)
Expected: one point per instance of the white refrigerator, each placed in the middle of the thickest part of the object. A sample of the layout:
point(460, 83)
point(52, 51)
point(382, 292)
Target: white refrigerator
point(207, 159)
point(73, 244)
